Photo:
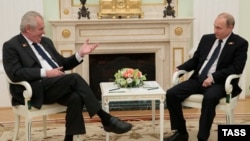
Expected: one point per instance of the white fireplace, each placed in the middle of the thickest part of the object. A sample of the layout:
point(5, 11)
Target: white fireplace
point(168, 39)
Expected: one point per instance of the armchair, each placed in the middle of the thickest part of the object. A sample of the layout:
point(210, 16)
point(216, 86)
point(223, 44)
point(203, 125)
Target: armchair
point(29, 112)
point(226, 104)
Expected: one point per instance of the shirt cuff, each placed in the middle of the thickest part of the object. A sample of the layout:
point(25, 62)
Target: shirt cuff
point(78, 57)
point(43, 72)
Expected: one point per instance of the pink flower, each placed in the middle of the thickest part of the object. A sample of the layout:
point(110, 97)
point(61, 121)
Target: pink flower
point(139, 74)
point(128, 73)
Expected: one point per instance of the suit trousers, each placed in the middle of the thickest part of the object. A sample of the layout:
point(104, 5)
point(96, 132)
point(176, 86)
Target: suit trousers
point(72, 91)
point(180, 92)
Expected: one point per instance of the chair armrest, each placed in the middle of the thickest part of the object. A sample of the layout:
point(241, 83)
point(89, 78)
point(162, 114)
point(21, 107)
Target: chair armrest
point(229, 87)
point(177, 75)
point(27, 93)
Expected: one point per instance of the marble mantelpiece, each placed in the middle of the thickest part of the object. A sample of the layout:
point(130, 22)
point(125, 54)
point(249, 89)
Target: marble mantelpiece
point(168, 38)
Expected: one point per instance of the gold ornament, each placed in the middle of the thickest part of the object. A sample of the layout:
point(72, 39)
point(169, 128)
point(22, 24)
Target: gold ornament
point(178, 30)
point(65, 33)
point(120, 8)
point(66, 11)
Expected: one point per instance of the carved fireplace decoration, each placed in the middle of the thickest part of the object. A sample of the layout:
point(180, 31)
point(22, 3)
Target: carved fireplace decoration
point(66, 33)
point(120, 8)
point(178, 31)
point(66, 11)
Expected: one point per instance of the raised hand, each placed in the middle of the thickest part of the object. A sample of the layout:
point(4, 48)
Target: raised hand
point(87, 48)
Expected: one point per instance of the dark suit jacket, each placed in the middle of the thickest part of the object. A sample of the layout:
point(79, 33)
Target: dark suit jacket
point(20, 63)
point(231, 61)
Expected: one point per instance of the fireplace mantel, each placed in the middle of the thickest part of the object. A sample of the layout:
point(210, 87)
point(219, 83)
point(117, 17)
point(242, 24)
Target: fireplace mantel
point(168, 38)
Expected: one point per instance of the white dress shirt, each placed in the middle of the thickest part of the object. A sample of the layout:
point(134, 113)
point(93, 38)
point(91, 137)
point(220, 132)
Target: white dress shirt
point(43, 62)
point(214, 65)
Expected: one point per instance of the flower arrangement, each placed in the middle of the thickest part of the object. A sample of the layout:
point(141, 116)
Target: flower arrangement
point(129, 77)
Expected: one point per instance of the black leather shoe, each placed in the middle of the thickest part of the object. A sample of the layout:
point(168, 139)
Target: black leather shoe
point(177, 137)
point(117, 126)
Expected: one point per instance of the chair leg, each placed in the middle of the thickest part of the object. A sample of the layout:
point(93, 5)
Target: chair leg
point(45, 126)
point(153, 113)
point(16, 128)
point(227, 118)
point(230, 117)
point(28, 123)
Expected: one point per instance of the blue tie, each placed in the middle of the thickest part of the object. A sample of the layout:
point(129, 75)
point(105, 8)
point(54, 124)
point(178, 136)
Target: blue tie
point(43, 54)
point(214, 56)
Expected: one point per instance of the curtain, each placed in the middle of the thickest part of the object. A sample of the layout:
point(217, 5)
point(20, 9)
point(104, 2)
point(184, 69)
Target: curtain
point(205, 12)
point(11, 12)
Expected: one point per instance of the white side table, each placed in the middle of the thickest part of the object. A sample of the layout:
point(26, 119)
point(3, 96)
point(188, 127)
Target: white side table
point(150, 91)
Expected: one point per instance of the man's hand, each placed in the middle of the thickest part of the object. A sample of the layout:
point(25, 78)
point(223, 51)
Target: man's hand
point(207, 82)
point(54, 72)
point(87, 48)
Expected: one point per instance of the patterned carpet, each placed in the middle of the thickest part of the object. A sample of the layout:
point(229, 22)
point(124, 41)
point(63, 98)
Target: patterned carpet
point(141, 131)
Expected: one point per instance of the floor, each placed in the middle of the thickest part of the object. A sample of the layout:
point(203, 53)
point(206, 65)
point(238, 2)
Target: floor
point(7, 116)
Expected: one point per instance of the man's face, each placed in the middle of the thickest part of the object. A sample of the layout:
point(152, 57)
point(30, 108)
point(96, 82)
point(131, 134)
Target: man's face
point(35, 33)
point(221, 29)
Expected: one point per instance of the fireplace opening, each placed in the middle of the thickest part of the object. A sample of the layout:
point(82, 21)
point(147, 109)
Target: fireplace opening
point(102, 68)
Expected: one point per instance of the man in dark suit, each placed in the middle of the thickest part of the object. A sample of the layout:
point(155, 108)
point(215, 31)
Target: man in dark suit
point(49, 83)
point(231, 60)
